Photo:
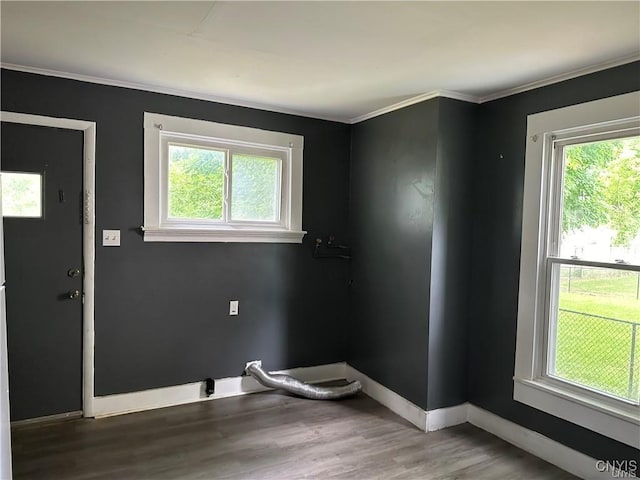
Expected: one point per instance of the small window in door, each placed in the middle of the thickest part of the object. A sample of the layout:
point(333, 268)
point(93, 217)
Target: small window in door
point(21, 194)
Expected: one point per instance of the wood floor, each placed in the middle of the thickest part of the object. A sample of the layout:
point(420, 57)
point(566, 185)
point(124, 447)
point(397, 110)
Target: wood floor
point(266, 435)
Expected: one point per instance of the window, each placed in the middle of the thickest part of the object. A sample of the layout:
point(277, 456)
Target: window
point(21, 195)
point(207, 181)
point(592, 254)
point(578, 342)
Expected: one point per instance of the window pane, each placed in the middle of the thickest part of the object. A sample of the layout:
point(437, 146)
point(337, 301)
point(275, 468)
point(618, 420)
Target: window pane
point(21, 194)
point(597, 329)
point(601, 201)
point(196, 182)
point(255, 188)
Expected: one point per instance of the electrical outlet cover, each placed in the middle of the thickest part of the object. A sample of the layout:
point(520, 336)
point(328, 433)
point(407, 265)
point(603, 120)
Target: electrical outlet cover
point(259, 362)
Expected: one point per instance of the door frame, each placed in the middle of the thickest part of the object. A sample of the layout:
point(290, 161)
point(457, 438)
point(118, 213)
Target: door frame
point(88, 238)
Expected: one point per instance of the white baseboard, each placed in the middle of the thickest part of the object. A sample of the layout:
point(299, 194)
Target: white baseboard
point(195, 392)
point(543, 447)
point(390, 399)
point(446, 417)
point(427, 421)
point(48, 418)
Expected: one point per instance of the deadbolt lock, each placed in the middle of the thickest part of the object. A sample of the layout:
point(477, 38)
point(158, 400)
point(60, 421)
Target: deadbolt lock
point(74, 294)
point(73, 272)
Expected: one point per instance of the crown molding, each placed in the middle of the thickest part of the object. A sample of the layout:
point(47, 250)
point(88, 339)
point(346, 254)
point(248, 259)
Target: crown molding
point(381, 111)
point(561, 78)
point(500, 94)
point(412, 101)
point(459, 96)
point(396, 106)
point(167, 91)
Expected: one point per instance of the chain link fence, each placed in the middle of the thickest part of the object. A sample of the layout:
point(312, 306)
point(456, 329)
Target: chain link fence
point(600, 281)
point(599, 352)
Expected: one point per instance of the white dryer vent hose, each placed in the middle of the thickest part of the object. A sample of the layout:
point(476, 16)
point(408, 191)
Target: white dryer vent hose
point(295, 386)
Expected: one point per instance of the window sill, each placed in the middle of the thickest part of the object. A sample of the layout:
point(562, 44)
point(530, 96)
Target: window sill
point(620, 424)
point(228, 234)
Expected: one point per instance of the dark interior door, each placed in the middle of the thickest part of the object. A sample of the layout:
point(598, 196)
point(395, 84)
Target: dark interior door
point(43, 270)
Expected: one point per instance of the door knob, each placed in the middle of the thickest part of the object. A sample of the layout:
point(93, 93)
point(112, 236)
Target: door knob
point(73, 272)
point(74, 294)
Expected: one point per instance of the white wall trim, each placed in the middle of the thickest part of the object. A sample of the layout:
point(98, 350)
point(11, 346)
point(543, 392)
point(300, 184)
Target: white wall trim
point(233, 386)
point(165, 234)
point(390, 399)
point(543, 447)
point(88, 240)
point(161, 130)
point(535, 443)
point(446, 417)
point(499, 94)
point(166, 91)
point(272, 108)
point(560, 78)
point(621, 424)
point(458, 96)
point(412, 101)
point(47, 419)
point(118, 404)
point(427, 421)
point(532, 385)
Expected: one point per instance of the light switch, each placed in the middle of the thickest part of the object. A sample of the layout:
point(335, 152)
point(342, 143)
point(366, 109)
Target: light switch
point(233, 307)
point(110, 238)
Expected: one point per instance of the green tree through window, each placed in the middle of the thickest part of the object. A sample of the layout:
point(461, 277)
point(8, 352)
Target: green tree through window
point(196, 182)
point(254, 188)
point(602, 187)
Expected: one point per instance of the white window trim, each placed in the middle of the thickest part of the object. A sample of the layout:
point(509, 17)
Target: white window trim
point(610, 417)
point(157, 229)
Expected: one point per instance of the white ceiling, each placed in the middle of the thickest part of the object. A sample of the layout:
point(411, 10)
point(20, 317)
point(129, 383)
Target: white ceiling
point(337, 60)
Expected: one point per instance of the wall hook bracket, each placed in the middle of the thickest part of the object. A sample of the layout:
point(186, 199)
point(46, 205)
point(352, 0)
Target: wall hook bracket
point(331, 249)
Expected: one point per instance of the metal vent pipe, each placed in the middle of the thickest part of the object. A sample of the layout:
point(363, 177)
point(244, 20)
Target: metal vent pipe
point(295, 386)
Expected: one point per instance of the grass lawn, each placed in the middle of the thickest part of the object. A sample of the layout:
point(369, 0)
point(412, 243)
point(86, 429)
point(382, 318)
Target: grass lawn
point(595, 351)
point(623, 286)
point(613, 307)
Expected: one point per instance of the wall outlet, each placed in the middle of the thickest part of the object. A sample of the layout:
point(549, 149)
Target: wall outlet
point(110, 238)
point(233, 307)
point(259, 362)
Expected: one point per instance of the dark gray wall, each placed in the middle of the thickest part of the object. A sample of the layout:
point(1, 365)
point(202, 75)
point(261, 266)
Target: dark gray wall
point(497, 222)
point(161, 308)
point(447, 360)
point(410, 235)
point(393, 168)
